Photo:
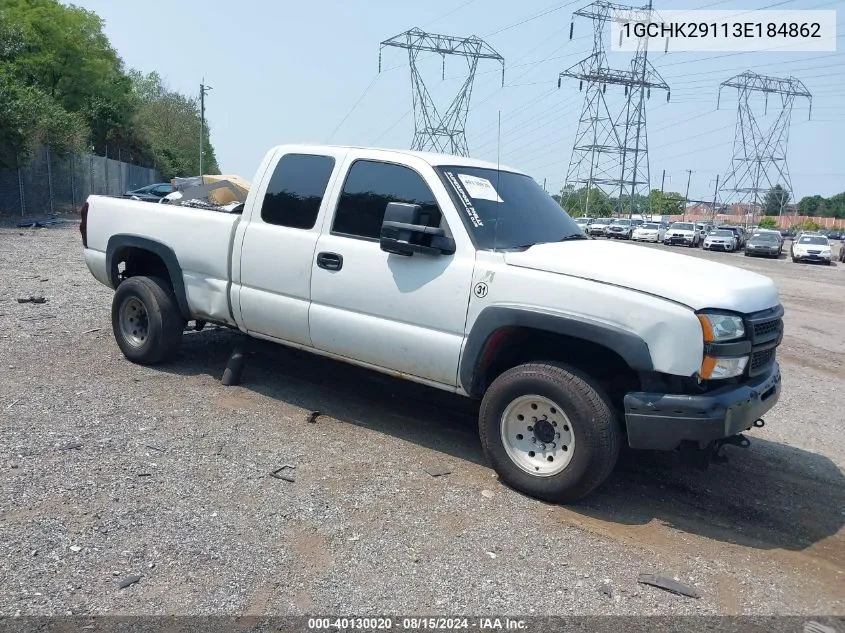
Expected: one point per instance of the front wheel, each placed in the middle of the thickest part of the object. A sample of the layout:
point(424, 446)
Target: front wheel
point(549, 432)
point(146, 320)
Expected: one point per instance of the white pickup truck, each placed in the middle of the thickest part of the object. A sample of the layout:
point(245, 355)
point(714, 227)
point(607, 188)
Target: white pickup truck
point(466, 277)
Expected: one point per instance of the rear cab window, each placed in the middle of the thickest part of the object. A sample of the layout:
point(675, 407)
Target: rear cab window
point(296, 190)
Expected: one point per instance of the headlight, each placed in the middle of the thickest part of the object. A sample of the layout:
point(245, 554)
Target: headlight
point(721, 327)
point(717, 368)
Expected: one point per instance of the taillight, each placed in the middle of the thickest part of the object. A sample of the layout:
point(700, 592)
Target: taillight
point(83, 225)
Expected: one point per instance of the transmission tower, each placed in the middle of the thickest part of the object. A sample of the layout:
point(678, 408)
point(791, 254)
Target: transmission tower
point(444, 133)
point(611, 146)
point(759, 157)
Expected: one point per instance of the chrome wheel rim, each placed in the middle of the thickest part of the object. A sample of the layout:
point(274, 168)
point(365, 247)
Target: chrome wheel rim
point(537, 435)
point(134, 322)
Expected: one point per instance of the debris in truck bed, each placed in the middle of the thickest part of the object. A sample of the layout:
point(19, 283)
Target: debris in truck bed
point(32, 299)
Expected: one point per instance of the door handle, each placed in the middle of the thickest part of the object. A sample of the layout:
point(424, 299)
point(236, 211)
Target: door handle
point(330, 261)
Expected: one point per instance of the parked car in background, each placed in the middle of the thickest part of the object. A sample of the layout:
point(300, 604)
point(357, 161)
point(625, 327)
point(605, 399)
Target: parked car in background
point(649, 232)
point(721, 240)
point(836, 235)
point(150, 193)
point(598, 226)
point(683, 233)
point(621, 229)
point(768, 244)
point(811, 248)
point(703, 229)
point(738, 231)
point(583, 223)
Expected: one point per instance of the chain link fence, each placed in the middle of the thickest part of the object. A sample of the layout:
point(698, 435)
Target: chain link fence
point(60, 183)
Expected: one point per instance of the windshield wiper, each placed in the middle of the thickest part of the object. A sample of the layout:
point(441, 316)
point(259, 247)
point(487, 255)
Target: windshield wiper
point(574, 236)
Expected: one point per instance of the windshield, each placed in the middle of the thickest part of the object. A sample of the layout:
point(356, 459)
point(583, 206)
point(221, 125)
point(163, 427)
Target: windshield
point(813, 239)
point(602, 221)
point(765, 237)
point(622, 222)
point(722, 233)
point(652, 227)
point(582, 221)
point(683, 226)
point(502, 209)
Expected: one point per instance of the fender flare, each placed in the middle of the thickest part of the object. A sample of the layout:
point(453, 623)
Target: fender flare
point(630, 347)
point(118, 243)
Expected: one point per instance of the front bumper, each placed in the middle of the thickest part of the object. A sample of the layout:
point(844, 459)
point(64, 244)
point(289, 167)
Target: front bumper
point(661, 421)
point(812, 258)
point(767, 252)
point(718, 246)
point(675, 239)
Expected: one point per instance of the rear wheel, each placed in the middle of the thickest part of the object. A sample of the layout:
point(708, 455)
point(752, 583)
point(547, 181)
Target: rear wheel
point(146, 320)
point(549, 432)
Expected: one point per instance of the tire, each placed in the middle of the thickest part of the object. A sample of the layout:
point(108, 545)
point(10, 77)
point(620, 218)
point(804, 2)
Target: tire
point(579, 411)
point(149, 301)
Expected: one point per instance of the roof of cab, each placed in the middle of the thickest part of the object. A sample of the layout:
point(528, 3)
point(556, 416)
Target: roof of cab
point(430, 157)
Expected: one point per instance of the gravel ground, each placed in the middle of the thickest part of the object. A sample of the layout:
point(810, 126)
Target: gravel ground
point(110, 470)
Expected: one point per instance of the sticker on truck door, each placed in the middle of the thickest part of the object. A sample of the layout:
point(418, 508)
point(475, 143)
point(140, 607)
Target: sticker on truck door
point(479, 188)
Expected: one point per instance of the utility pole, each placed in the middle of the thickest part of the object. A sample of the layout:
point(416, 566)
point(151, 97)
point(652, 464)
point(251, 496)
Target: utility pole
point(715, 191)
point(203, 91)
point(662, 181)
point(686, 195)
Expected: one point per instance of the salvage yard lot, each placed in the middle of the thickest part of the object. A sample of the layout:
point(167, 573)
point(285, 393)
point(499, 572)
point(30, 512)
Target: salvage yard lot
point(110, 470)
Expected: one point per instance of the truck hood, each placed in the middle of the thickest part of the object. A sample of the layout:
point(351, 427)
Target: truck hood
point(694, 282)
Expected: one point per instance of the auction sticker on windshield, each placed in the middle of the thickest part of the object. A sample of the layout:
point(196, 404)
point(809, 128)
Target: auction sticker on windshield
point(479, 188)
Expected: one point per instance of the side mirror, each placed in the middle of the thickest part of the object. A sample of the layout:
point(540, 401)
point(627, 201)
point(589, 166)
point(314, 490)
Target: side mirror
point(402, 233)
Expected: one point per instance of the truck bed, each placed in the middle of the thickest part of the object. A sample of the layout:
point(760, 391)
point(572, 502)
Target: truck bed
point(201, 240)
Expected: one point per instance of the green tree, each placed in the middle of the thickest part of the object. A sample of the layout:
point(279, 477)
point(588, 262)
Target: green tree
point(768, 223)
point(67, 56)
point(835, 206)
point(776, 199)
point(811, 205)
point(668, 203)
point(170, 123)
point(29, 118)
point(578, 202)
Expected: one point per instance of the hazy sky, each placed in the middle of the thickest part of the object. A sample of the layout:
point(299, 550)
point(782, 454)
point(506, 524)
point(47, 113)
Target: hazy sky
point(288, 71)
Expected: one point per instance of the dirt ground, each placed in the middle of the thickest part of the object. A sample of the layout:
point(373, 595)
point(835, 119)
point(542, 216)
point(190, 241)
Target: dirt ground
point(110, 470)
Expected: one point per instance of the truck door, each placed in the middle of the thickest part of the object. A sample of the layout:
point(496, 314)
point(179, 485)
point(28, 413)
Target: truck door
point(401, 313)
point(278, 247)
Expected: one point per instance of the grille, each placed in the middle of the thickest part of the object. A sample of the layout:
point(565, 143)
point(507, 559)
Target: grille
point(761, 359)
point(766, 327)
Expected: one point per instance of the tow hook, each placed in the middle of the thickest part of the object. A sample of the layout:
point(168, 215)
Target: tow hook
point(735, 440)
point(758, 423)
